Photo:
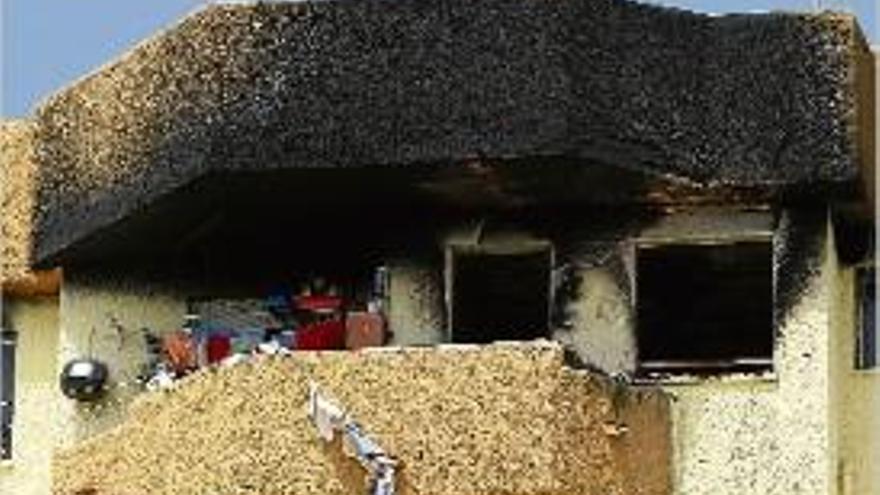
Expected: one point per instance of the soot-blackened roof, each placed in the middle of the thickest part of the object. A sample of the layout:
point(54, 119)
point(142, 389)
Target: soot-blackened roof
point(745, 100)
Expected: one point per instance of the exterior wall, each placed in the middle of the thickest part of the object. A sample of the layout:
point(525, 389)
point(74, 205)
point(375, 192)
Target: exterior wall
point(742, 435)
point(856, 394)
point(753, 436)
point(598, 321)
point(734, 434)
point(415, 313)
point(599, 330)
point(737, 435)
point(37, 396)
point(92, 309)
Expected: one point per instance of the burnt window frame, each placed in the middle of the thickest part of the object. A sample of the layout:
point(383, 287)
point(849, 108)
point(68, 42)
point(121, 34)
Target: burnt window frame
point(513, 248)
point(660, 369)
point(864, 359)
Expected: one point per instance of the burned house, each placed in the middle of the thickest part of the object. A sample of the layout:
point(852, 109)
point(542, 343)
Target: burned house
point(680, 201)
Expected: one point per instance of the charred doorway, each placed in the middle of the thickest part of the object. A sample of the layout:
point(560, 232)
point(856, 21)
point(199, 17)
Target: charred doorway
point(497, 294)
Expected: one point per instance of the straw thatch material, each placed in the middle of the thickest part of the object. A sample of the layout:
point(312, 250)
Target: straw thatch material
point(17, 189)
point(505, 419)
point(750, 100)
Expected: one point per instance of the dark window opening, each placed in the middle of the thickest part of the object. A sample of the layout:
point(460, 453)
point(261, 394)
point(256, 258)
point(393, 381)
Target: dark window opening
point(7, 391)
point(867, 352)
point(705, 308)
point(500, 297)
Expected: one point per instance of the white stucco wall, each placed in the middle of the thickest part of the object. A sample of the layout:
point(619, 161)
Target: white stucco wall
point(769, 434)
point(754, 436)
point(600, 327)
point(36, 396)
point(415, 312)
point(99, 304)
point(855, 393)
point(774, 434)
point(732, 435)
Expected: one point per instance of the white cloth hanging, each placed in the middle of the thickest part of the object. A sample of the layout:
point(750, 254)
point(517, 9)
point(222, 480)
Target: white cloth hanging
point(326, 415)
point(329, 418)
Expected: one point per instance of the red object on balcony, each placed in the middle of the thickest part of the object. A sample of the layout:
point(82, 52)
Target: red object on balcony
point(325, 335)
point(219, 347)
point(318, 303)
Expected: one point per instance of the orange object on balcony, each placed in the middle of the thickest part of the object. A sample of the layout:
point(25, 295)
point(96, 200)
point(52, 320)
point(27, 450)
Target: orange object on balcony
point(364, 330)
point(180, 351)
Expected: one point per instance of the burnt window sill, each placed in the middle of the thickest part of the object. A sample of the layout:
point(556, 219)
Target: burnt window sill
point(701, 372)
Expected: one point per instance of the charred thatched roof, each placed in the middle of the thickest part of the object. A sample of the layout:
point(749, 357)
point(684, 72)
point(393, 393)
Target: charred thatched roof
point(748, 100)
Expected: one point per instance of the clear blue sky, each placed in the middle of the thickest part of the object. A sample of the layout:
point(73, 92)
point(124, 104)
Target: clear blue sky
point(48, 43)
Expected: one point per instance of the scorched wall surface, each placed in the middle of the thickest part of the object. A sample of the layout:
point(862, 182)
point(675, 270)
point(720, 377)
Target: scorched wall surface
point(773, 433)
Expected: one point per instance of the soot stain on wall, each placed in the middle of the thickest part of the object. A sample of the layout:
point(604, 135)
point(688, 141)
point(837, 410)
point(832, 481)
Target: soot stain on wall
point(583, 240)
point(798, 249)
